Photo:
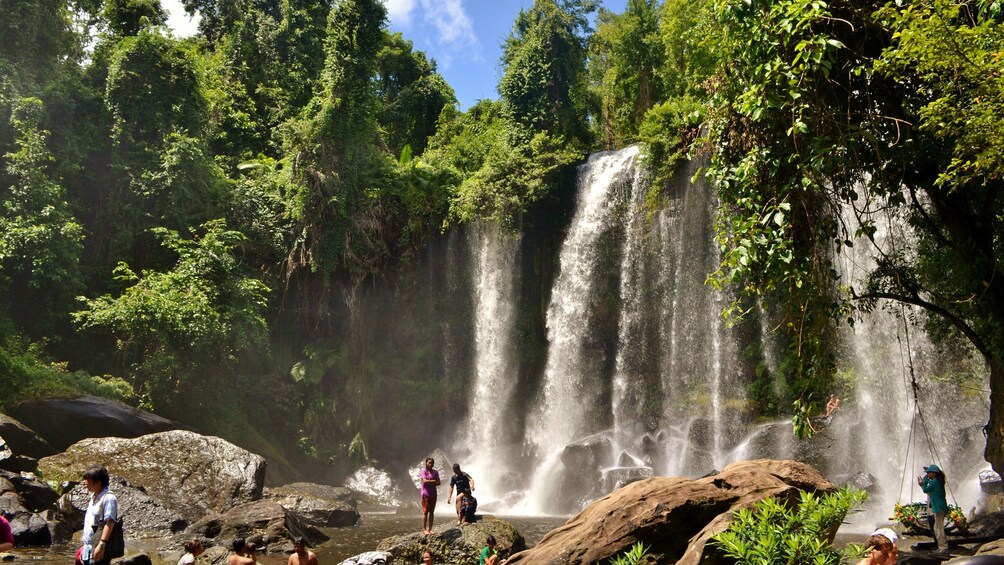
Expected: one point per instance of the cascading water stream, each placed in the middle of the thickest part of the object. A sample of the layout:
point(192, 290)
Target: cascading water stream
point(485, 444)
point(570, 400)
point(643, 376)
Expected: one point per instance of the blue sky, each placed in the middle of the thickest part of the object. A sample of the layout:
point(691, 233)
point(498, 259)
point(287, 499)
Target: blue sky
point(463, 36)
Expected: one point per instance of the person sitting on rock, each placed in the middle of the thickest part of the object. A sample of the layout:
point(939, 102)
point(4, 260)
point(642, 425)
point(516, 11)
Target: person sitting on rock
point(427, 558)
point(301, 555)
point(193, 549)
point(881, 548)
point(465, 486)
point(6, 535)
point(240, 556)
point(489, 556)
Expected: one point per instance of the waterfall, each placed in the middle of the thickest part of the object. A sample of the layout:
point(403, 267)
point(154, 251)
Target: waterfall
point(699, 354)
point(486, 440)
point(885, 351)
point(572, 397)
point(643, 376)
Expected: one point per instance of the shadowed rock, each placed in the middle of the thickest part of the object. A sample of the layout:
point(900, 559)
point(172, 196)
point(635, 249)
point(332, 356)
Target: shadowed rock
point(262, 522)
point(21, 440)
point(317, 505)
point(675, 517)
point(65, 421)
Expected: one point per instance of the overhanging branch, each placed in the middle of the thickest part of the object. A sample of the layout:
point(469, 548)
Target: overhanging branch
point(916, 300)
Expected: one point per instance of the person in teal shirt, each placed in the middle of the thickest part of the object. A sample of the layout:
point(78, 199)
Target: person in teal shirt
point(488, 555)
point(933, 483)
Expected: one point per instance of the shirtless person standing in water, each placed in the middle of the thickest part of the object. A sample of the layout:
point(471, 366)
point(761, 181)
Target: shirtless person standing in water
point(240, 556)
point(301, 555)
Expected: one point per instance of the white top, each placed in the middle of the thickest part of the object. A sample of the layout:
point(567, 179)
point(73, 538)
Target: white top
point(105, 506)
point(187, 559)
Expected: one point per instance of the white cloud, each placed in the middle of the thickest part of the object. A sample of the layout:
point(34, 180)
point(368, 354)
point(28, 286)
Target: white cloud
point(399, 12)
point(454, 30)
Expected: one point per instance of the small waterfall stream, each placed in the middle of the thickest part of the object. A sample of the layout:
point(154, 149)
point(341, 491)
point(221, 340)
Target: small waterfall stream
point(484, 437)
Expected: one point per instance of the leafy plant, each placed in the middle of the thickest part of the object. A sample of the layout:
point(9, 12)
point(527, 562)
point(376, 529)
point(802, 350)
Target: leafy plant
point(633, 556)
point(775, 531)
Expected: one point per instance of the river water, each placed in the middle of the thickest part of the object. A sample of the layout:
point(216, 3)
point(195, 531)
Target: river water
point(344, 543)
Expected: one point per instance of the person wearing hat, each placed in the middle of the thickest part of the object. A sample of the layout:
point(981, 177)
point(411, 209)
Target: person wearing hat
point(933, 483)
point(881, 548)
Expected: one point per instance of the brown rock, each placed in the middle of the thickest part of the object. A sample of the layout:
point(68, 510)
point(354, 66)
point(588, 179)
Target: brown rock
point(674, 517)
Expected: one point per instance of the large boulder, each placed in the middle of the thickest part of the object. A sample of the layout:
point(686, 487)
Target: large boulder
point(22, 440)
point(143, 516)
point(29, 528)
point(262, 522)
point(190, 474)
point(674, 517)
point(317, 505)
point(375, 489)
point(453, 544)
point(65, 421)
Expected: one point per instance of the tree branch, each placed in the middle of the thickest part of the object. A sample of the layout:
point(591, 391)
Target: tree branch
point(916, 300)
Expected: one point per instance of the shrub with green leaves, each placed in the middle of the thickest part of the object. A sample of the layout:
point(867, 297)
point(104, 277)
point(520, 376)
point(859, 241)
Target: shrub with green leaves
point(637, 554)
point(773, 532)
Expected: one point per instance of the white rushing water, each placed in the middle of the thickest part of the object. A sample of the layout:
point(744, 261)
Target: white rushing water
point(643, 375)
point(485, 438)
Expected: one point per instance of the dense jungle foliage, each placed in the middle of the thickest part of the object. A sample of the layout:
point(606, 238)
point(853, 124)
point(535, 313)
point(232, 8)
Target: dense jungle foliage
point(190, 225)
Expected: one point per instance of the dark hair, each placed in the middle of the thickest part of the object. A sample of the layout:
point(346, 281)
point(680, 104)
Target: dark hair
point(491, 540)
point(456, 466)
point(192, 544)
point(99, 474)
point(940, 476)
point(430, 460)
point(238, 544)
point(879, 542)
point(298, 540)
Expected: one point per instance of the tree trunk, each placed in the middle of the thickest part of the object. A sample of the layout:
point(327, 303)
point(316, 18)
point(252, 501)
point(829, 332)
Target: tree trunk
point(994, 452)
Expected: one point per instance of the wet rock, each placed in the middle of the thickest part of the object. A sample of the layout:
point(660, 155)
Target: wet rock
point(22, 440)
point(190, 474)
point(7, 556)
point(618, 477)
point(375, 489)
point(262, 522)
point(456, 545)
point(675, 517)
point(317, 505)
point(65, 421)
point(861, 481)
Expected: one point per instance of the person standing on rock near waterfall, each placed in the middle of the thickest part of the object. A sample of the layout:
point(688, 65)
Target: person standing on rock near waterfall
point(429, 479)
point(99, 518)
point(465, 486)
point(933, 483)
